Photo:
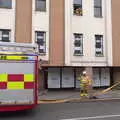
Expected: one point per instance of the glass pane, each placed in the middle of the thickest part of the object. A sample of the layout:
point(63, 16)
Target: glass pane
point(40, 37)
point(98, 45)
point(5, 35)
point(97, 3)
point(77, 43)
point(41, 42)
point(97, 12)
point(78, 47)
point(41, 51)
point(41, 34)
point(79, 36)
point(5, 32)
point(78, 2)
point(6, 3)
point(41, 5)
point(77, 7)
point(98, 37)
point(78, 52)
point(99, 53)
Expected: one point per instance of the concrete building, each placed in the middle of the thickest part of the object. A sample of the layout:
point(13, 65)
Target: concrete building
point(69, 35)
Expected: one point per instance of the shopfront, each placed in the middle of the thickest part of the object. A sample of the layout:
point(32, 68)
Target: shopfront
point(68, 77)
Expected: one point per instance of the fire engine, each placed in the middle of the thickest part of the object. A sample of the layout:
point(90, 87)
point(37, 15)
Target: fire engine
point(18, 81)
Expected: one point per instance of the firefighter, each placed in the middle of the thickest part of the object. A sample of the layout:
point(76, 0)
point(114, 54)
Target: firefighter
point(85, 84)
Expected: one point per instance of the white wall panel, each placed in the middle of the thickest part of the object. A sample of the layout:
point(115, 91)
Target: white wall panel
point(53, 78)
point(101, 77)
point(67, 78)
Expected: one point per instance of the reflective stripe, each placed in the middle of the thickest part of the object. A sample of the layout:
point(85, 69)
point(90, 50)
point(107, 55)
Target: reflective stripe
point(28, 78)
point(14, 57)
point(3, 85)
point(3, 77)
point(15, 77)
point(9, 57)
point(15, 85)
point(28, 85)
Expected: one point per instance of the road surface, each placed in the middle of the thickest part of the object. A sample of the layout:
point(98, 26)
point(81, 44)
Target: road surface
point(69, 111)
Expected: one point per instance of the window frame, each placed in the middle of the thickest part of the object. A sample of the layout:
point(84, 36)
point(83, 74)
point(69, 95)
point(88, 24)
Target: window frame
point(39, 10)
point(8, 30)
point(44, 53)
point(80, 9)
point(80, 46)
point(98, 7)
point(102, 46)
point(6, 7)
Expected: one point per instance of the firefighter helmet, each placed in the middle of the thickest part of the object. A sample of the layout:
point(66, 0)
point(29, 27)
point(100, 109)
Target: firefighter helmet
point(84, 72)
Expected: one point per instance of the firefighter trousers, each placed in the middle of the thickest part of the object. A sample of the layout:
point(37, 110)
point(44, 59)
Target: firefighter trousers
point(84, 90)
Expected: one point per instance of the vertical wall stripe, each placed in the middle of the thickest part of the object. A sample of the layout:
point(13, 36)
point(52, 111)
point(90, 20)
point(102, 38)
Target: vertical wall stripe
point(23, 32)
point(57, 32)
point(116, 32)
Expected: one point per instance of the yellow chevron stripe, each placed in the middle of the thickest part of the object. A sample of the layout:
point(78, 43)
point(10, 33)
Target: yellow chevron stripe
point(3, 77)
point(28, 78)
point(15, 85)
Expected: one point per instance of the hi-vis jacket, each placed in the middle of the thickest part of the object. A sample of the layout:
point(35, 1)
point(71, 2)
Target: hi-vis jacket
point(84, 81)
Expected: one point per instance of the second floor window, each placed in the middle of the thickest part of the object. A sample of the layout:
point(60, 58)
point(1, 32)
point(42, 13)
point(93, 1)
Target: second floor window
point(78, 44)
point(99, 45)
point(40, 5)
point(40, 40)
point(98, 8)
point(77, 7)
point(6, 4)
point(5, 35)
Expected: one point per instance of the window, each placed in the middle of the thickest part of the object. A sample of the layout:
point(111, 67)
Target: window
point(98, 8)
point(6, 4)
point(5, 35)
point(40, 5)
point(40, 40)
point(99, 45)
point(77, 7)
point(78, 44)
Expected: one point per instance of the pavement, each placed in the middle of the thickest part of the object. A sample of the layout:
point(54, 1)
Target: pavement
point(61, 96)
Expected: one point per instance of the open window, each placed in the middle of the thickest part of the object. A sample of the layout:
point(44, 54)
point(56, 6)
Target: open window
point(77, 7)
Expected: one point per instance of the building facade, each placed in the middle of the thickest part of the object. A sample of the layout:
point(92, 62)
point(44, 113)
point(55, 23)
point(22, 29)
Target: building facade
point(69, 35)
